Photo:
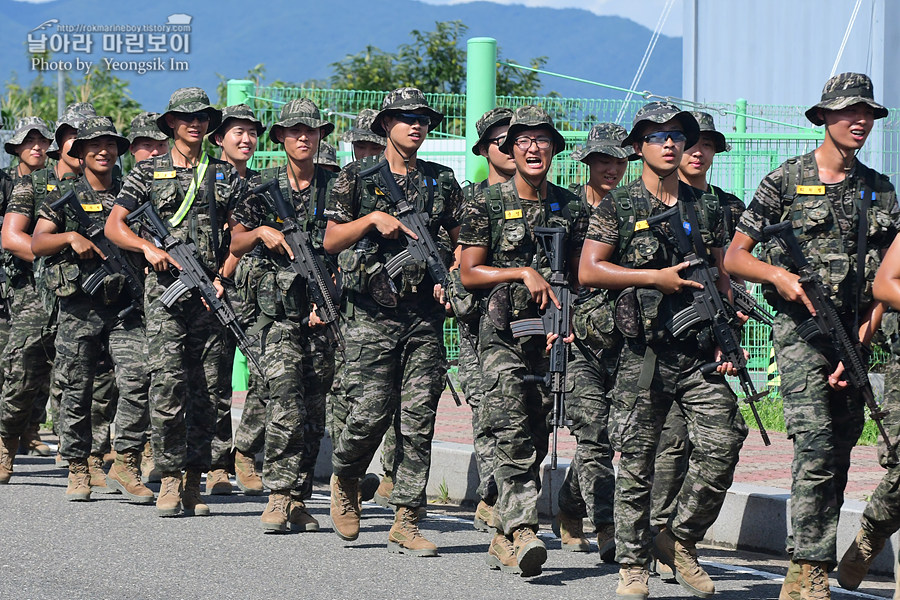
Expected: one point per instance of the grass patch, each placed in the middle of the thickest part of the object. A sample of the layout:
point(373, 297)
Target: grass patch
point(771, 413)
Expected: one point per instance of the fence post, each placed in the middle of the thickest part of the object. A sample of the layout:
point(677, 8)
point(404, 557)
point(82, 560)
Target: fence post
point(740, 125)
point(481, 96)
point(238, 91)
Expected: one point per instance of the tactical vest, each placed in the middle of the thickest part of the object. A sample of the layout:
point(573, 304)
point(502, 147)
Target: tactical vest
point(816, 227)
point(167, 196)
point(64, 273)
point(323, 180)
point(363, 263)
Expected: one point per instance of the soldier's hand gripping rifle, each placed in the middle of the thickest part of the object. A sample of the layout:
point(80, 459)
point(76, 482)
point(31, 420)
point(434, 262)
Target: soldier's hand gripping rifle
point(422, 249)
point(114, 259)
point(707, 306)
point(556, 320)
point(827, 322)
point(747, 304)
point(307, 262)
point(192, 276)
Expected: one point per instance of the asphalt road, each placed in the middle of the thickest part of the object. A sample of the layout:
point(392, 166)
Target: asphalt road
point(111, 549)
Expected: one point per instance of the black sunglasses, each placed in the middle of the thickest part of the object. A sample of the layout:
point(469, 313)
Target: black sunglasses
point(660, 137)
point(413, 118)
point(201, 116)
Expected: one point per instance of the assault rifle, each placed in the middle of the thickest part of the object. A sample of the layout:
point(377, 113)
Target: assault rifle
point(192, 276)
point(747, 304)
point(553, 320)
point(423, 249)
point(707, 306)
point(827, 322)
point(307, 262)
point(114, 259)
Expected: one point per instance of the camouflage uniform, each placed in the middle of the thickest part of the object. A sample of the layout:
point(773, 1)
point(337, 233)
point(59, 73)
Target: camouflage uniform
point(639, 406)
point(186, 341)
point(87, 324)
point(395, 363)
point(823, 423)
point(518, 412)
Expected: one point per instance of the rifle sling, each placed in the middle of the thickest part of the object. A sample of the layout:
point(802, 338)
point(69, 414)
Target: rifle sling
point(214, 222)
point(860, 256)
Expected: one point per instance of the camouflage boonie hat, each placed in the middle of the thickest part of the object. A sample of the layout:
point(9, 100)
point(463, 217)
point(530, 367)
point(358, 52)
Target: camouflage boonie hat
point(362, 129)
point(846, 90)
point(532, 117)
point(144, 125)
point(73, 116)
point(236, 111)
point(189, 100)
point(405, 99)
point(496, 116)
point(708, 126)
point(660, 112)
point(96, 127)
point(24, 126)
point(604, 138)
point(301, 111)
point(326, 156)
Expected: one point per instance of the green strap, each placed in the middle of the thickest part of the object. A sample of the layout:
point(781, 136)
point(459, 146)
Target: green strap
point(188, 201)
point(648, 369)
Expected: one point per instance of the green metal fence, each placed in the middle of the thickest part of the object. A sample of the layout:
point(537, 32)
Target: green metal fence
point(761, 138)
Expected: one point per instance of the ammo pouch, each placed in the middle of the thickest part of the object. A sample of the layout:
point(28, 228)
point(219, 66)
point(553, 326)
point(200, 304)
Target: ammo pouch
point(281, 294)
point(594, 322)
point(62, 278)
point(463, 302)
point(507, 302)
point(363, 272)
point(637, 315)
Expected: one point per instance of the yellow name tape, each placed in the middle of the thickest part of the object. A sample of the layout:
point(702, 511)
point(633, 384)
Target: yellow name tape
point(378, 192)
point(50, 187)
point(164, 175)
point(811, 190)
point(640, 225)
point(92, 207)
point(513, 214)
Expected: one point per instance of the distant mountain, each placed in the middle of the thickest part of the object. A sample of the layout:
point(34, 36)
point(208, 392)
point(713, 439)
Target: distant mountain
point(299, 40)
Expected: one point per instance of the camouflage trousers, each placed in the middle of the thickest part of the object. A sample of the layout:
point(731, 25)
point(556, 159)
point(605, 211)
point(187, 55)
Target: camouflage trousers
point(590, 482)
point(222, 442)
point(186, 343)
point(715, 427)
point(27, 362)
point(84, 328)
point(470, 380)
point(672, 457)
point(389, 350)
point(518, 414)
point(824, 425)
point(250, 437)
point(881, 518)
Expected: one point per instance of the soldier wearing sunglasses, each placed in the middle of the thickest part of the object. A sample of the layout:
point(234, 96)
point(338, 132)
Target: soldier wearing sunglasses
point(643, 270)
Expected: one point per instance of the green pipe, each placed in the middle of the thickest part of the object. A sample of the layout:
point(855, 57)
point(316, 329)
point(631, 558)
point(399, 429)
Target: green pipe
point(481, 96)
point(239, 91)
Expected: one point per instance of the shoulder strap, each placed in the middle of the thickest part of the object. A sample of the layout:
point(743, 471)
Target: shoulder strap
point(496, 210)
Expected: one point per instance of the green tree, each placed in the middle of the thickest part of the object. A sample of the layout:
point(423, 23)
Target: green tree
point(371, 69)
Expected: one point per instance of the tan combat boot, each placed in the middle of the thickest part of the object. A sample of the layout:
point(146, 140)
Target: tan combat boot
point(633, 583)
point(217, 483)
point(345, 507)
point(245, 475)
point(275, 516)
point(502, 555)
point(300, 518)
point(530, 551)
point(191, 500)
point(79, 489)
point(168, 503)
point(125, 477)
point(858, 558)
point(383, 493)
point(149, 472)
point(8, 448)
point(405, 537)
point(484, 517)
point(98, 475)
point(32, 443)
point(813, 581)
point(682, 559)
point(790, 589)
point(570, 531)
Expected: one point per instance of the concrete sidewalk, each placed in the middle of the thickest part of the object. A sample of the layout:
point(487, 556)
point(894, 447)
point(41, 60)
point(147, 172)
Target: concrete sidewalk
point(755, 516)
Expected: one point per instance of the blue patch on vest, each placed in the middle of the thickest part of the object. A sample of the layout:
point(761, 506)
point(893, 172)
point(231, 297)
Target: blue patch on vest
point(554, 206)
point(687, 227)
point(434, 182)
point(220, 175)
